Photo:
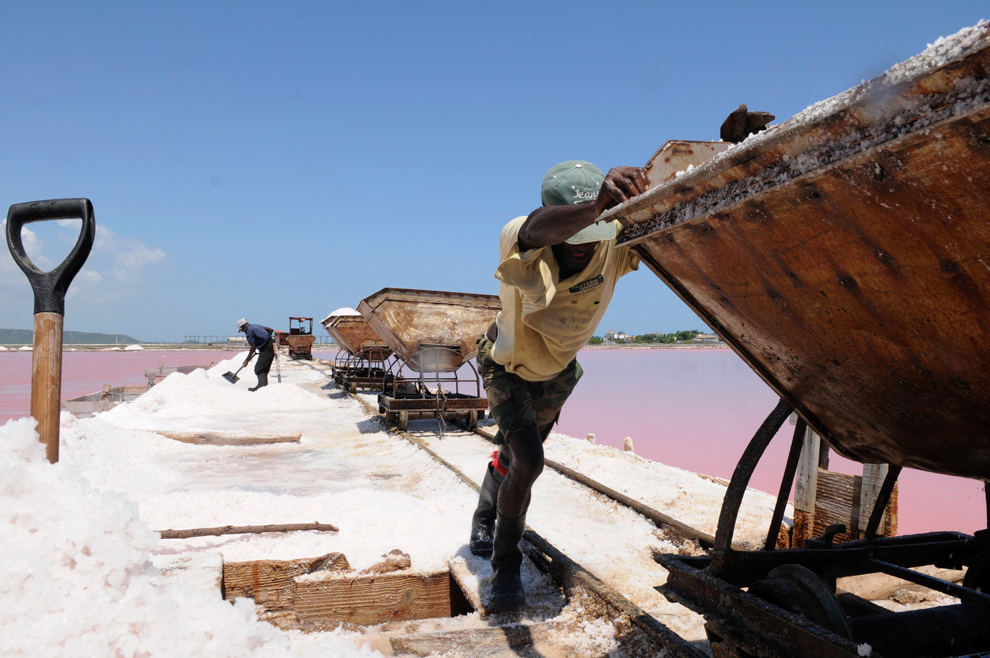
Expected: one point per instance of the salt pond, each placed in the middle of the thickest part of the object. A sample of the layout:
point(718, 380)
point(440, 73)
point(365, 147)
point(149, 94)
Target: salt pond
point(692, 408)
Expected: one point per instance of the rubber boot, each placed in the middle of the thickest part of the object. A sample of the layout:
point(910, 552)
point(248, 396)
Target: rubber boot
point(483, 521)
point(507, 589)
point(262, 381)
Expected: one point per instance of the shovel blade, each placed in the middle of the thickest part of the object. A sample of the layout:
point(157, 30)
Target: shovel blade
point(231, 377)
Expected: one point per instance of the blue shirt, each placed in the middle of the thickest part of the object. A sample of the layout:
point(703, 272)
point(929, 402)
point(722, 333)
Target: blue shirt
point(256, 335)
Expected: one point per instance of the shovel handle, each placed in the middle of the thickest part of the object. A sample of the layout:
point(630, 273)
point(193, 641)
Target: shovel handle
point(49, 305)
point(46, 380)
point(50, 287)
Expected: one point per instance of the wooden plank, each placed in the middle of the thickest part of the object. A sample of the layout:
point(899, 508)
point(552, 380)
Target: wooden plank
point(230, 438)
point(806, 480)
point(873, 477)
point(373, 599)
point(878, 586)
point(246, 530)
point(837, 502)
point(271, 582)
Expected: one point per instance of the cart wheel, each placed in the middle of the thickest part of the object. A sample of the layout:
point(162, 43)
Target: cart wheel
point(797, 589)
point(472, 420)
point(978, 574)
point(352, 387)
point(403, 420)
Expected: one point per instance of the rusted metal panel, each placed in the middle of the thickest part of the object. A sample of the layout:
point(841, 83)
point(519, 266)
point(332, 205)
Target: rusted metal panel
point(354, 334)
point(846, 257)
point(430, 329)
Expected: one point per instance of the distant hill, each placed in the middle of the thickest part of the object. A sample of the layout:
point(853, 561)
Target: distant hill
point(26, 337)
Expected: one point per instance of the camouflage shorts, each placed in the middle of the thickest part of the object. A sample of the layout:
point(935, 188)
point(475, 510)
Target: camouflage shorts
point(516, 403)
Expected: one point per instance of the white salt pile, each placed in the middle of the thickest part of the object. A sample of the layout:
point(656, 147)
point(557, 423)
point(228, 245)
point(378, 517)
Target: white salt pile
point(76, 578)
point(342, 311)
point(2, 348)
point(133, 348)
point(26, 348)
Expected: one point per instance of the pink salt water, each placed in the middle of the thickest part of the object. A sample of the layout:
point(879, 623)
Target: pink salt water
point(87, 372)
point(692, 408)
point(698, 408)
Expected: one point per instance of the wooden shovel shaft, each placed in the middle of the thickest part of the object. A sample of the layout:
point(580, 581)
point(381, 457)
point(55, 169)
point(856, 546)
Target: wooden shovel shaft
point(46, 379)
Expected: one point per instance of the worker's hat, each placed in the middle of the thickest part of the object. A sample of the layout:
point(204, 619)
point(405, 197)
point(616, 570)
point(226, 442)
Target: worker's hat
point(575, 182)
point(241, 323)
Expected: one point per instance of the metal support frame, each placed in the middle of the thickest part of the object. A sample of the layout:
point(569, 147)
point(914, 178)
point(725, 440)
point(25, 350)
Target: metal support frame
point(434, 388)
point(785, 484)
point(744, 471)
point(712, 585)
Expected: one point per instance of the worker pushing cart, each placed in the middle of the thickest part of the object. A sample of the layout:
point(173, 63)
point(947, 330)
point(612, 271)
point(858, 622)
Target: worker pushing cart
point(558, 267)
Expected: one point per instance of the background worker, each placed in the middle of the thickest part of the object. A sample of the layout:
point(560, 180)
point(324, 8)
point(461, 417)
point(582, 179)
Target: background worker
point(260, 339)
point(558, 268)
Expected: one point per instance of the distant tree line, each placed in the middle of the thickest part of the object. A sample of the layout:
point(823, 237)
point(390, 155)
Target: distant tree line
point(676, 337)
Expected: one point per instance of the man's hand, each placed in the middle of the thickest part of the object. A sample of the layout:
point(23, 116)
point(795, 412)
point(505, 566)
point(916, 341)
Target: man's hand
point(621, 184)
point(246, 361)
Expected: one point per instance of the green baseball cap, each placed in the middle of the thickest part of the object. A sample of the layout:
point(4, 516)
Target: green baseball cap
point(576, 182)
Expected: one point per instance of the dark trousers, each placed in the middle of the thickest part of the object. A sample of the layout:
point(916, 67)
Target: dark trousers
point(525, 412)
point(266, 355)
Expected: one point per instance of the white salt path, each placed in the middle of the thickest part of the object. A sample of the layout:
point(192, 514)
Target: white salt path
point(613, 542)
point(122, 480)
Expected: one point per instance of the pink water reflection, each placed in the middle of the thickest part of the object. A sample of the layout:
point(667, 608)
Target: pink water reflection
point(87, 372)
point(697, 409)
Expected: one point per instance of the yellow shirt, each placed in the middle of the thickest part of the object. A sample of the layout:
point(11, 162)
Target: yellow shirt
point(544, 322)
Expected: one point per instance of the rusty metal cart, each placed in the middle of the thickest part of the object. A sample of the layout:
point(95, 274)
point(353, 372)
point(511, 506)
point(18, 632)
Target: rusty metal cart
point(363, 360)
point(845, 256)
point(300, 338)
point(434, 334)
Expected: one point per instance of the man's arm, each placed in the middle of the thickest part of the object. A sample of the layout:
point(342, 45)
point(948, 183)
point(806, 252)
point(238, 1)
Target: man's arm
point(552, 225)
point(249, 357)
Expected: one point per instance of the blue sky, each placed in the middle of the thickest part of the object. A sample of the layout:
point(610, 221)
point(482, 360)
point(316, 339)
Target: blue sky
point(275, 159)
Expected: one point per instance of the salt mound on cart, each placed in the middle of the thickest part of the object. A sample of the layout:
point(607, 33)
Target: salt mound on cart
point(199, 401)
point(76, 579)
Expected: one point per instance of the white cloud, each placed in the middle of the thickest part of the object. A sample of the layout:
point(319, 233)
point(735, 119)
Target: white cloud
point(134, 256)
point(114, 269)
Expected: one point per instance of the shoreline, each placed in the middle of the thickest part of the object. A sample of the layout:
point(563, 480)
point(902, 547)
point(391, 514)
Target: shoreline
point(658, 346)
point(159, 347)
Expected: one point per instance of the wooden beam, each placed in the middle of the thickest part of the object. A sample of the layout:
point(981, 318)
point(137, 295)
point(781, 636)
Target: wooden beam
point(373, 599)
point(873, 477)
point(806, 488)
point(271, 582)
point(230, 438)
point(246, 530)
point(806, 480)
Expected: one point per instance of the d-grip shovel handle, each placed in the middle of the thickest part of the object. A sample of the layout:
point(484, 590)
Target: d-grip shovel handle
point(50, 287)
point(49, 306)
